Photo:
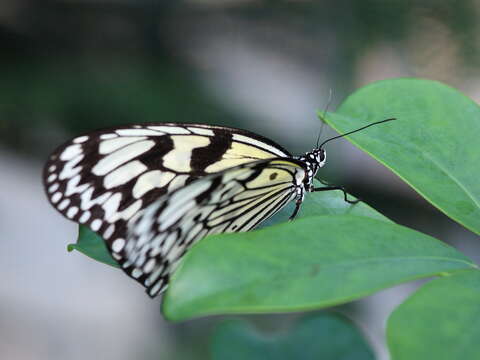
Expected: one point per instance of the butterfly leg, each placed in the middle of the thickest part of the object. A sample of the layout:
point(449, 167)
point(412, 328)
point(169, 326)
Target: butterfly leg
point(298, 202)
point(330, 187)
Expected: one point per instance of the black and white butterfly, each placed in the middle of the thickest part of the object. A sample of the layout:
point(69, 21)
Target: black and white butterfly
point(152, 190)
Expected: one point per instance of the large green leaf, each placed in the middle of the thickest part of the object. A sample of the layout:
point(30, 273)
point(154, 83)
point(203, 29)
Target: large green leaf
point(313, 262)
point(433, 145)
point(439, 321)
point(322, 336)
point(320, 203)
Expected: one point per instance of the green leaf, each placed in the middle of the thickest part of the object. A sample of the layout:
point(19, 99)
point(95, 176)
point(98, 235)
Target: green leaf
point(322, 336)
point(314, 262)
point(439, 321)
point(320, 203)
point(92, 245)
point(433, 145)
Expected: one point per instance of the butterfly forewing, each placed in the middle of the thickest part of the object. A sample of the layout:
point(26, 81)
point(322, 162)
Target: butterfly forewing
point(106, 178)
point(236, 199)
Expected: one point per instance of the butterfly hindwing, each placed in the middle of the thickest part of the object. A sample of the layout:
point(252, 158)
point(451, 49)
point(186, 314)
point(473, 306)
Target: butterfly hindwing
point(106, 178)
point(236, 199)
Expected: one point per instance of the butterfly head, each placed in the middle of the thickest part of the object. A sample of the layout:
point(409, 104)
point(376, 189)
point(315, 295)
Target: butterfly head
point(313, 160)
point(320, 156)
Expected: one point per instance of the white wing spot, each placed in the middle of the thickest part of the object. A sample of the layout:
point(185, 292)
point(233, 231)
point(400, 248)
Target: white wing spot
point(177, 182)
point(174, 253)
point(140, 260)
point(70, 152)
point(153, 291)
point(192, 233)
point(108, 136)
point(124, 174)
point(118, 245)
point(111, 205)
point(155, 245)
point(136, 273)
point(86, 199)
point(63, 205)
point(109, 146)
point(127, 213)
point(57, 196)
point(84, 218)
point(144, 234)
point(96, 224)
point(53, 188)
point(121, 156)
point(80, 139)
point(169, 241)
point(52, 168)
point(71, 212)
point(52, 177)
point(72, 187)
point(150, 180)
point(154, 276)
point(109, 231)
point(149, 265)
point(131, 210)
point(69, 170)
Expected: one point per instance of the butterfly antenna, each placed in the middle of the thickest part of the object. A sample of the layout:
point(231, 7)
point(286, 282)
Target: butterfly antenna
point(354, 131)
point(323, 116)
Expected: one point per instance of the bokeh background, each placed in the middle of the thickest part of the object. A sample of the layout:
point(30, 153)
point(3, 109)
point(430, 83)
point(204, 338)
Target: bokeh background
point(70, 66)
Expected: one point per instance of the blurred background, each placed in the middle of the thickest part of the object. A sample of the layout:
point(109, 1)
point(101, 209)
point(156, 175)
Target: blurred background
point(70, 66)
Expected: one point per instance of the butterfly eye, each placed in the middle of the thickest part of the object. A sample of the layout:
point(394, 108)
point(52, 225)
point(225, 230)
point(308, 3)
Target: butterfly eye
point(322, 156)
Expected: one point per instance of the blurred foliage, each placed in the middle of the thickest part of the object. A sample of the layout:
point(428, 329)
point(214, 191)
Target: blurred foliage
point(320, 336)
point(75, 66)
point(448, 308)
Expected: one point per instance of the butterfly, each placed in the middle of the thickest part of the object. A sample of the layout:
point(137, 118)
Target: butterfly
point(152, 190)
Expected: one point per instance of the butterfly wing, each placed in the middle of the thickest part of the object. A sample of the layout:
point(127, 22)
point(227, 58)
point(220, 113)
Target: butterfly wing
point(105, 178)
point(236, 199)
